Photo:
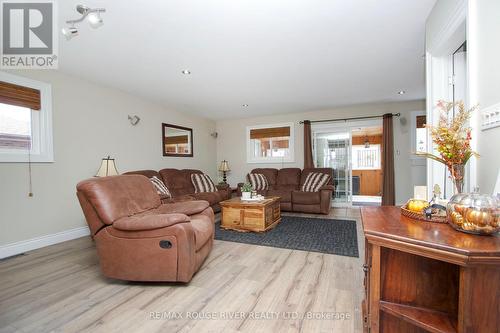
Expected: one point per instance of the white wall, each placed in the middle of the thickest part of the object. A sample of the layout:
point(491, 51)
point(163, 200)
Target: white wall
point(231, 143)
point(90, 122)
point(486, 48)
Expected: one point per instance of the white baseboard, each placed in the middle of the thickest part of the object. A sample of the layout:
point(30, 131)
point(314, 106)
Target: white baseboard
point(13, 249)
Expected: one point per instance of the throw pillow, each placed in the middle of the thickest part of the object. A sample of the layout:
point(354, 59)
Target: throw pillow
point(314, 181)
point(259, 181)
point(160, 187)
point(202, 183)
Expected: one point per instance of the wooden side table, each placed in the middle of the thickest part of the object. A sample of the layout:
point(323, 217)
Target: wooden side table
point(250, 216)
point(427, 277)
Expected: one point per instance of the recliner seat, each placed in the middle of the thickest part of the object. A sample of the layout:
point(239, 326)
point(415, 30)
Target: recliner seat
point(140, 239)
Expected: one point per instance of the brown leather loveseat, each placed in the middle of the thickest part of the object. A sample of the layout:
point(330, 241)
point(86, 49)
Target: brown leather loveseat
point(140, 239)
point(287, 183)
point(181, 187)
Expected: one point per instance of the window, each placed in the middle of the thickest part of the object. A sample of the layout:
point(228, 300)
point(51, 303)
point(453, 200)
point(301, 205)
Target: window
point(270, 143)
point(366, 158)
point(418, 136)
point(25, 120)
point(421, 135)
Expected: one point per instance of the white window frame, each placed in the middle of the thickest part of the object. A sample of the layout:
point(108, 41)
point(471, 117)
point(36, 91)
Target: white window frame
point(42, 150)
point(415, 159)
point(379, 164)
point(291, 145)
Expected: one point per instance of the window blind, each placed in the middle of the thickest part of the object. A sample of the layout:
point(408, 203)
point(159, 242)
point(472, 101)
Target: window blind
point(273, 132)
point(175, 140)
point(421, 120)
point(19, 96)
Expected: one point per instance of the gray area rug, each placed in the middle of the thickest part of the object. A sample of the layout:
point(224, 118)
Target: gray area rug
point(301, 233)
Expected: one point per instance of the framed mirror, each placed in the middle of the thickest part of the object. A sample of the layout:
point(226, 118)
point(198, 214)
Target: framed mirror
point(177, 140)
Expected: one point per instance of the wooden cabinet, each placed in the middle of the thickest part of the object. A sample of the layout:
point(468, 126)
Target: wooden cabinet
point(427, 277)
point(370, 181)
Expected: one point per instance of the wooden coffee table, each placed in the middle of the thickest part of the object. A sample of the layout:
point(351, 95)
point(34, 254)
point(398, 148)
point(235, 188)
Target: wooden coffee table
point(250, 215)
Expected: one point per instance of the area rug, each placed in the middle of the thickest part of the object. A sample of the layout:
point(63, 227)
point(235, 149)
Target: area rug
point(302, 233)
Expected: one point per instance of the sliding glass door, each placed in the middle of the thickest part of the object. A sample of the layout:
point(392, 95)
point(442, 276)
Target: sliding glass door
point(332, 149)
point(353, 150)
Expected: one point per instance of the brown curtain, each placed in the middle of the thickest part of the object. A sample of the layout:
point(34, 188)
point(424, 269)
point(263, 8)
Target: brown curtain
point(388, 188)
point(308, 154)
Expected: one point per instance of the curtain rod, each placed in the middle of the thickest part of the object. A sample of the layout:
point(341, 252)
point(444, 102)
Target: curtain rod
point(346, 119)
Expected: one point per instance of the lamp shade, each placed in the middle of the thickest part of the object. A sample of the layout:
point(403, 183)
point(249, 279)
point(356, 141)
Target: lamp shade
point(107, 168)
point(224, 166)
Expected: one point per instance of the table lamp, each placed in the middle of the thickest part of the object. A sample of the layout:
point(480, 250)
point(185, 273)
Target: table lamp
point(224, 168)
point(108, 168)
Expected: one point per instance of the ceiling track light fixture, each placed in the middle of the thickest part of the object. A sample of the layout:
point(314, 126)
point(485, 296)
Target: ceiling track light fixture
point(93, 16)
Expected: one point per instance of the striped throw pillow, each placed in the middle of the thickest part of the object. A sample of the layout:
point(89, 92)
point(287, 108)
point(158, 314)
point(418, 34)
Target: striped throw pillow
point(160, 187)
point(202, 183)
point(259, 181)
point(314, 181)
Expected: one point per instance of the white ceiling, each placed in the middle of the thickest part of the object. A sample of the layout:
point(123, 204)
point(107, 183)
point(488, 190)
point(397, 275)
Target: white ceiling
point(278, 56)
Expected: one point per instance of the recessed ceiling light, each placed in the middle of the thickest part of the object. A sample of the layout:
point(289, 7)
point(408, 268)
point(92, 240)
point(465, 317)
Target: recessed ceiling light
point(401, 92)
point(186, 72)
point(245, 105)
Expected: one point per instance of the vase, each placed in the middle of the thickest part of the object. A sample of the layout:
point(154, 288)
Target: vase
point(474, 213)
point(457, 174)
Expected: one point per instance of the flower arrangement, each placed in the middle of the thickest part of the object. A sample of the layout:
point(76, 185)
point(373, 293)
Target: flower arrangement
point(452, 137)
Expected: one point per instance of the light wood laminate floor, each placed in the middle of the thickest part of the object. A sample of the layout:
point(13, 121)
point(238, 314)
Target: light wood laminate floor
point(240, 288)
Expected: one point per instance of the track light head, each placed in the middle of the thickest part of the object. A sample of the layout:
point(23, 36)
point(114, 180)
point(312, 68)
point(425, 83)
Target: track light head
point(95, 20)
point(69, 32)
point(93, 16)
point(82, 9)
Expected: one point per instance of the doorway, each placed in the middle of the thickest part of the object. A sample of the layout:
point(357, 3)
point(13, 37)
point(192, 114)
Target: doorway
point(354, 151)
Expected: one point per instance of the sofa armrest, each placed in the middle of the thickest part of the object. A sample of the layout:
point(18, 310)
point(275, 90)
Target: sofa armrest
point(327, 188)
point(149, 222)
point(223, 187)
point(184, 207)
point(238, 189)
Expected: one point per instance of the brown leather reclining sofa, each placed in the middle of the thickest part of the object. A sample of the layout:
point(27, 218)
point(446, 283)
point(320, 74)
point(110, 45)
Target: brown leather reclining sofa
point(287, 184)
point(140, 239)
point(181, 187)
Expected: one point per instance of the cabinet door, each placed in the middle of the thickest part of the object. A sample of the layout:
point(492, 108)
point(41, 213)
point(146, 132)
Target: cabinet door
point(366, 283)
point(231, 217)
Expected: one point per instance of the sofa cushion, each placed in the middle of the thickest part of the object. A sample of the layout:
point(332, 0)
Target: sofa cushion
point(306, 172)
point(315, 181)
point(270, 173)
point(306, 198)
point(288, 176)
point(202, 183)
point(148, 222)
point(203, 230)
point(147, 173)
point(178, 181)
point(211, 197)
point(284, 194)
point(160, 187)
point(258, 181)
point(186, 207)
point(180, 198)
point(115, 197)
